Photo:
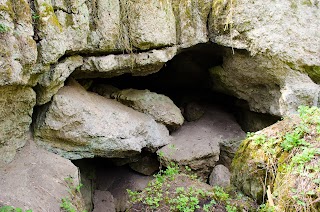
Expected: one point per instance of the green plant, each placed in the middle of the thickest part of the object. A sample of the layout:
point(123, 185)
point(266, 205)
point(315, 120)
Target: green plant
point(3, 28)
point(67, 205)
point(72, 203)
point(12, 209)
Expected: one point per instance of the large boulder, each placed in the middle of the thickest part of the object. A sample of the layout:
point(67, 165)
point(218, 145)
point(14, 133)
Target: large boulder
point(79, 124)
point(280, 162)
point(270, 74)
point(36, 180)
point(159, 106)
point(16, 107)
point(197, 144)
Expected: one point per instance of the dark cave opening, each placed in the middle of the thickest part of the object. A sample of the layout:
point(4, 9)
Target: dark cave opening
point(186, 81)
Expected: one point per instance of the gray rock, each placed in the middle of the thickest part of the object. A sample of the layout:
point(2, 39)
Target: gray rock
point(268, 85)
point(18, 50)
point(52, 81)
point(117, 180)
point(160, 107)
point(28, 183)
point(147, 165)
point(220, 176)
point(196, 144)
point(271, 75)
point(79, 124)
point(139, 64)
point(16, 107)
point(103, 201)
point(150, 24)
point(191, 20)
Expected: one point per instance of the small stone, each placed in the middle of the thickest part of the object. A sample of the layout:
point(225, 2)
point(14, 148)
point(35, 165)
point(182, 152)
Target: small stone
point(220, 176)
point(103, 201)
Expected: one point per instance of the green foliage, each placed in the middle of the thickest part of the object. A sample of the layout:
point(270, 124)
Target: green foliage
point(161, 191)
point(3, 28)
point(12, 209)
point(67, 205)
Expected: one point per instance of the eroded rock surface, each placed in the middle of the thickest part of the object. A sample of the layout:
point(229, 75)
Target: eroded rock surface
point(16, 107)
point(159, 106)
point(268, 85)
point(79, 124)
point(196, 144)
point(36, 180)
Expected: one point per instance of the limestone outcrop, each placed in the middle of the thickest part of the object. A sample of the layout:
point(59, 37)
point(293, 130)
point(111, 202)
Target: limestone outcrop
point(160, 107)
point(268, 85)
point(79, 124)
point(283, 44)
point(16, 107)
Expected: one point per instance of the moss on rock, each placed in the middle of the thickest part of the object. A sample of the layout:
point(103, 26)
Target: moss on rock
point(284, 156)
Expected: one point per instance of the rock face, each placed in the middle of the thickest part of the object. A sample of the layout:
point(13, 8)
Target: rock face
point(160, 107)
point(191, 20)
point(114, 65)
point(280, 50)
point(268, 85)
point(52, 81)
point(18, 50)
point(28, 183)
point(16, 106)
point(78, 124)
point(197, 144)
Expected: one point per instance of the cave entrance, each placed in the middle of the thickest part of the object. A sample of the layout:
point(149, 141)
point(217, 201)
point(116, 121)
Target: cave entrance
point(208, 114)
point(186, 79)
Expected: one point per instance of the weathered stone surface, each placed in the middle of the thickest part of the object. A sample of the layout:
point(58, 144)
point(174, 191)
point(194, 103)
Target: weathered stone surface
point(268, 85)
point(16, 107)
point(150, 24)
point(286, 30)
point(196, 144)
point(139, 64)
point(79, 124)
point(159, 106)
point(117, 180)
point(18, 51)
point(191, 20)
point(29, 183)
point(147, 165)
point(103, 201)
point(220, 176)
point(50, 82)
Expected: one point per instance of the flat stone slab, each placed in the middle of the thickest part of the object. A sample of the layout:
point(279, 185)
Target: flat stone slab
point(197, 144)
